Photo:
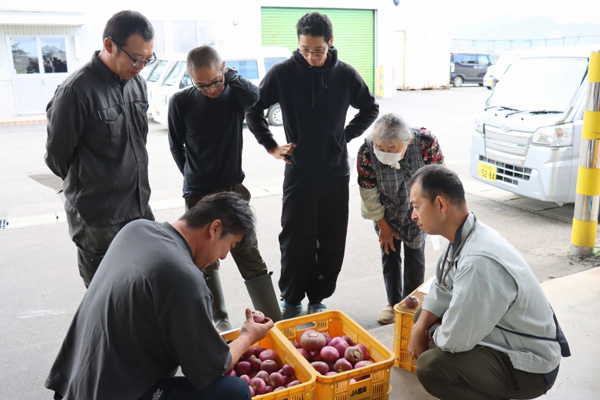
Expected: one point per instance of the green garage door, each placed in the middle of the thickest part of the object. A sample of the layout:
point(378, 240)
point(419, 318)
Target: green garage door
point(353, 34)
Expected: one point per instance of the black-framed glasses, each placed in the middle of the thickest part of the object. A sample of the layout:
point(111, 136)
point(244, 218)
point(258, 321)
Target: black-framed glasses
point(212, 85)
point(135, 61)
point(317, 54)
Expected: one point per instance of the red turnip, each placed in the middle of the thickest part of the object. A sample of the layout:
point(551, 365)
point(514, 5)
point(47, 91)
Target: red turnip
point(288, 370)
point(354, 354)
point(329, 354)
point(243, 367)
point(258, 385)
point(297, 345)
point(268, 389)
point(264, 375)
point(245, 378)
point(252, 392)
point(348, 340)
point(258, 316)
point(293, 383)
point(258, 350)
point(364, 350)
point(276, 379)
point(331, 373)
point(268, 354)
point(312, 341)
point(342, 365)
point(279, 388)
point(255, 363)
point(327, 338)
point(304, 353)
point(320, 366)
point(363, 363)
point(411, 302)
point(316, 356)
point(248, 353)
point(340, 344)
point(269, 366)
point(231, 373)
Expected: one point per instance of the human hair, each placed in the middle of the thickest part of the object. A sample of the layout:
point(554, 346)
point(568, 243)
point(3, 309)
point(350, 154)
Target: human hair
point(203, 57)
point(315, 24)
point(126, 23)
point(390, 128)
point(437, 180)
point(229, 207)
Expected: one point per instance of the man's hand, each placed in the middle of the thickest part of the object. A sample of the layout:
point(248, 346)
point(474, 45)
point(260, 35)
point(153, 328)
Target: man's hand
point(386, 236)
point(283, 152)
point(419, 341)
point(256, 331)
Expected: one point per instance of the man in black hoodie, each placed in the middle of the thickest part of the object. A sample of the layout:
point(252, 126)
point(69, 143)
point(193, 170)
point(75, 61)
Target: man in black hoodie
point(314, 89)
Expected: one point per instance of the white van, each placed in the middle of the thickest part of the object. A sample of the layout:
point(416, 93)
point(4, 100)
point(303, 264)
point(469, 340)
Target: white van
point(527, 138)
point(252, 65)
point(154, 75)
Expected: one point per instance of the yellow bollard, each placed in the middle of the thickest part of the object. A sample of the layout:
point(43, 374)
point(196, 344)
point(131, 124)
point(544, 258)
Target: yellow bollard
point(587, 200)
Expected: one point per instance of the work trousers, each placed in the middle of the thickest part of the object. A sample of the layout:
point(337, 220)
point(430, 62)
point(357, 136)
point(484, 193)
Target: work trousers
point(314, 221)
point(93, 241)
point(248, 260)
point(179, 388)
point(414, 271)
point(478, 374)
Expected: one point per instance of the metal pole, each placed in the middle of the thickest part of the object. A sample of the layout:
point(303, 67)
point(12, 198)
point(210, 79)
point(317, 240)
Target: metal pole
point(587, 198)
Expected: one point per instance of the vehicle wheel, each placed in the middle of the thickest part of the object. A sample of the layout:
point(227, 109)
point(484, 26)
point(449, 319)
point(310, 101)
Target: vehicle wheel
point(457, 81)
point(274, 115)
point(481, 84)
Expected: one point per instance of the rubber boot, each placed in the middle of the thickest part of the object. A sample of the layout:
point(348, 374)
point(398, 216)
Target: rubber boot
point(219, 310)
point(263, 296)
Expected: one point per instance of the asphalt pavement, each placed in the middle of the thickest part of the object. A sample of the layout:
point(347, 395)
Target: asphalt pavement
point(40, 288)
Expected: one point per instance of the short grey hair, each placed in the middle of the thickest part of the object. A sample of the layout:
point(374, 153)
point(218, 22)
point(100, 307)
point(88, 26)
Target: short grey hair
point(390, 128)
point(203, 57)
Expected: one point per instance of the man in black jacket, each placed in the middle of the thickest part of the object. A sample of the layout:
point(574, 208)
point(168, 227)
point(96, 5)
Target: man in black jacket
point(97, 130)
point(314, 89)
point(205, 134)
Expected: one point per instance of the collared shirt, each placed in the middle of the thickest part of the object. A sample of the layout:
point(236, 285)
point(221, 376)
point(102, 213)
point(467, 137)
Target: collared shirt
point(97, 131)
point(490, 285)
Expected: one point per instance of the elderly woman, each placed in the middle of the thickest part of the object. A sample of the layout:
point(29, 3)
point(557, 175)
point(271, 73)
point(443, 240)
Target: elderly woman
point(386, 161)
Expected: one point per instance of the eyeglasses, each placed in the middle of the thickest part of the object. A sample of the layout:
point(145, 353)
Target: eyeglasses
point(136, 62)
point(212, 85)
point(317, 54)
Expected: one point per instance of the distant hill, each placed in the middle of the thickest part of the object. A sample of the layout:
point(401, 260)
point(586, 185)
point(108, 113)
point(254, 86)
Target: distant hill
point(506, 27)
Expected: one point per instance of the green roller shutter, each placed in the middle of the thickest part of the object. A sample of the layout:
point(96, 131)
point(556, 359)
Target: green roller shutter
point(353, 34)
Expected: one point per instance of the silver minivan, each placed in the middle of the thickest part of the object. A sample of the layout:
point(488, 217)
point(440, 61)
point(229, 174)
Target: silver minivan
point(527, 138)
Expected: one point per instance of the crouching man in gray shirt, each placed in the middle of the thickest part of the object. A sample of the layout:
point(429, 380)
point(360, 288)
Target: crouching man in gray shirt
point(149, 312)
point(494, 333)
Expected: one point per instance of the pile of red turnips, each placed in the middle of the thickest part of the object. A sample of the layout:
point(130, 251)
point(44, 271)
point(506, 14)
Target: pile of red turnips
point(259, 368)
point(332, 355)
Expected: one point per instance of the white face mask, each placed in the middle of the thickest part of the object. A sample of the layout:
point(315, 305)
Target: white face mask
point(391, 159)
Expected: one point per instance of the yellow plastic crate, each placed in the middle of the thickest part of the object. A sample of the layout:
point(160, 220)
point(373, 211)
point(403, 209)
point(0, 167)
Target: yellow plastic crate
point(375, 386)
point(402, 328)
point(304, 372)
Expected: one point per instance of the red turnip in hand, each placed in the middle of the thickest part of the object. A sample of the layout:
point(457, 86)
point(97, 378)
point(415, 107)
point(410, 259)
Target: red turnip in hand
point(342, 365)
point(269, 366)
point(320, 366)
point(258, 316)
point(354, 354)
point(312, 341)
point(268, 354)
point(411, 302)
point(329, 354)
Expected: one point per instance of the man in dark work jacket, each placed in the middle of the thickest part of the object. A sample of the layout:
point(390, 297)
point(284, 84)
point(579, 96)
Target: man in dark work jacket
point(314, 89)
point(97, 130)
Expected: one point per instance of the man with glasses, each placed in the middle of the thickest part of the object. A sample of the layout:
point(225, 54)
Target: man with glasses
point(97, 130)
point(205, 134)
point(315, 90)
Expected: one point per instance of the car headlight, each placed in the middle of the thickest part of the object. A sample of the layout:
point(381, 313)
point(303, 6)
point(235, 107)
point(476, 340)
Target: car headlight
point(478, 124)
point(560, 135)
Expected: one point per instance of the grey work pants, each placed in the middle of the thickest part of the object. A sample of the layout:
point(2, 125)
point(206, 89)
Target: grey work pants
point(249, 261)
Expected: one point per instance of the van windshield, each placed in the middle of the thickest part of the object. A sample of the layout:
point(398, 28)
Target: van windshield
point(541, 83)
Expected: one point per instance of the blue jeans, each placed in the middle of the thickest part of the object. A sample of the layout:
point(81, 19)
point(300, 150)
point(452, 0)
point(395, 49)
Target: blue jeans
point(179, 388)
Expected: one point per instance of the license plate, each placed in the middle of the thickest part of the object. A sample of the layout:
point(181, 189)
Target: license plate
point(487, 171)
